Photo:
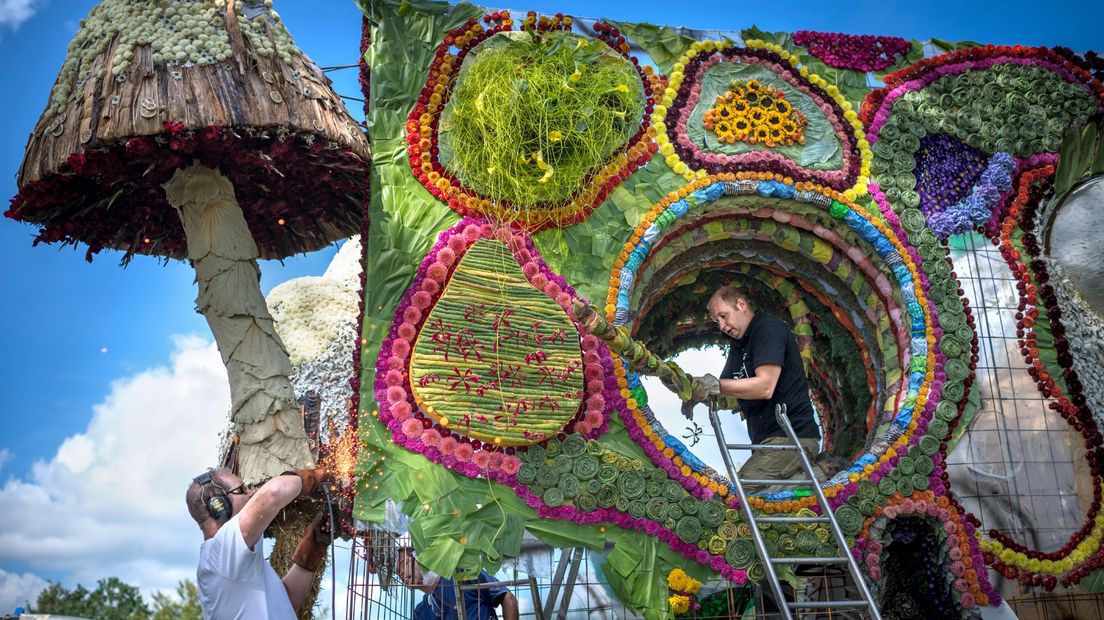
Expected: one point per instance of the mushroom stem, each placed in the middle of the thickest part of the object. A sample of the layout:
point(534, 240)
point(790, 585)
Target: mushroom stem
point(264, 411)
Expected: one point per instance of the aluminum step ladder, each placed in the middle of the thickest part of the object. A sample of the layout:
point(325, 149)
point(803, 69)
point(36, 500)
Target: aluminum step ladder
point(786, 608)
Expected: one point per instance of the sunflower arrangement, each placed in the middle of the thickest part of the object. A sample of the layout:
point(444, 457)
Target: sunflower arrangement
point(757, 114)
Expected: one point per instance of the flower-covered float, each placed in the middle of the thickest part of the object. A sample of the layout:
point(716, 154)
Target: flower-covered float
point(762, 159)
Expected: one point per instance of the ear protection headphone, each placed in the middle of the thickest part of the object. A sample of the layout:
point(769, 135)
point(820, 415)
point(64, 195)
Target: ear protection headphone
point(218, 505)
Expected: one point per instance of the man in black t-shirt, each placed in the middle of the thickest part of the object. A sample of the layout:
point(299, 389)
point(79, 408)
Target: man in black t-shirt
point(764, 369)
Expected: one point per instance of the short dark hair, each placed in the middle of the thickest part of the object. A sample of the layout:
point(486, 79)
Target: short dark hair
point(730, 294)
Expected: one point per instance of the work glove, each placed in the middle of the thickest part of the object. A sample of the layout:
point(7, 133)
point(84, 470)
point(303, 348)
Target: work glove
point(701, 390)
point(313, 480)
point(312, 547)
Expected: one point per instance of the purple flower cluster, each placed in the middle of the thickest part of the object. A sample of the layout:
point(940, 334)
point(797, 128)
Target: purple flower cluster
point(983, 202)
point(850, 51)
point(946, 170)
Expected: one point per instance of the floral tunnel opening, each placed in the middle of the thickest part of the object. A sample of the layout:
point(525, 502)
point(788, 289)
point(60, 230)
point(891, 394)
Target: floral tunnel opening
point(673, 322)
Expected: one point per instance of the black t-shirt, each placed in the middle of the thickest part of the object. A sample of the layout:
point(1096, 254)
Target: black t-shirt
point(768, 341)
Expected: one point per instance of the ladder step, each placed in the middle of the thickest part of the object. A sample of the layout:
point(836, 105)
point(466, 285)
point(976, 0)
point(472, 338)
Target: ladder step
point(758, 446)
point(792, 520)
point(836, 560)
point(827, 604)
point(779, 482)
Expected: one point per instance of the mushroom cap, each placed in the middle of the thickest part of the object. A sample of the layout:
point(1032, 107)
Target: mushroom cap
point(149, 87)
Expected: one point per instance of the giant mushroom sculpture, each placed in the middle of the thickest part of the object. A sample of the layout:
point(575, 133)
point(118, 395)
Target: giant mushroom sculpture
point(198, 130)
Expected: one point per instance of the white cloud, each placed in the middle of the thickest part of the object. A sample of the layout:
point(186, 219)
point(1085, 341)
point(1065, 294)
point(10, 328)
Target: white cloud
point(111, 500)
point(15, 12)
point(5, 456)
point(668, 410)
point(18, 590)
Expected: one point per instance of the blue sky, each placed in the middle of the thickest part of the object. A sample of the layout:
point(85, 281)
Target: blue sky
point(84, 345)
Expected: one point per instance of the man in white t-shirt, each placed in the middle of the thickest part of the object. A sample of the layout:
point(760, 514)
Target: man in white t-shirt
point(235, 581)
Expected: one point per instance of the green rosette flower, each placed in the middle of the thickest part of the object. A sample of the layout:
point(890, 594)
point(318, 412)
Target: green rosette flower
point(631, 484)
point(866, 490)
point(716, 545)
point(688, 529)
point(929, 445)
point(562, 463)
point(937, 428)
point(535, 455)
point(806, 542)
point(689, 505)
point(887, 486)
point(607, 473)
point(711, 513)
point(956, 369)
point(552, 446)
point(850, 519)
point(925, 466)
point(585, 466)
point(740, 553)
point(673, 511)
point(547, 477)
point(657, 509)
point(527, 473)
point(573, 445)
point(569, 484)
point(672, 490)
point(638, 508)
point(554, 497)
point(727, 530)
point(585, 502)
point(953, 391)
point(606, 496)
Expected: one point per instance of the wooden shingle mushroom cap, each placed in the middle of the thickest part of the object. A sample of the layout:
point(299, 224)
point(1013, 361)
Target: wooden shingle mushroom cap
point(152, 86)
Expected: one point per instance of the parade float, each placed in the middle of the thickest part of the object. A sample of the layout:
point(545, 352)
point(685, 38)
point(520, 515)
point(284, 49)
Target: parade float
point(919, 212)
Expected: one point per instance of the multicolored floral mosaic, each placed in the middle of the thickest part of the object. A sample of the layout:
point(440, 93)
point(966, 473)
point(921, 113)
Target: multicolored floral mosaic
point(423, 129)
point(941, 169)
point(682, 96)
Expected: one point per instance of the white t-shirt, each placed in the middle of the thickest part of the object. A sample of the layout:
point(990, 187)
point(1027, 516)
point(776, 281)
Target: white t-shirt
point(236, 583)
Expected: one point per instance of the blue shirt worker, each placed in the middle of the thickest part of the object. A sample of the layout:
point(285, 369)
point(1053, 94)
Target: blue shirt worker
point(439, 602)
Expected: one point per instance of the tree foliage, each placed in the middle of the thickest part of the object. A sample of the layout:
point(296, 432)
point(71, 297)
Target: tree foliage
point(115, 600)
point(111, 600)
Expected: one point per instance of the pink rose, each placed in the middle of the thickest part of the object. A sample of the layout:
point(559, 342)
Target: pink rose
point(406, 332)
point(401, 411)
point(400, 347)
point(431, 286)
point(431, 437)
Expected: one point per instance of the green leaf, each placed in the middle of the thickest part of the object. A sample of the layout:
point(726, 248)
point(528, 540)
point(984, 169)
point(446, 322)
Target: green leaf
point(665, 45)
point(1094, 582)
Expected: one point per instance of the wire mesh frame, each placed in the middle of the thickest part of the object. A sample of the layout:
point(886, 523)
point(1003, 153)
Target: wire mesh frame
point(588, 596)
point(375, 591)
point(1015, 467)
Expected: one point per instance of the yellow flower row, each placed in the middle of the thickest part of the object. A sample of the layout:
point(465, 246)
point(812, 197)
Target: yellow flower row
point(1086, 549)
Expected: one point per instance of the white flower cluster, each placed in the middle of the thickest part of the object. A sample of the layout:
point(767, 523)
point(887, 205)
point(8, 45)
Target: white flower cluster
point(179, 32)
point(1085, 332)
point(308, 312)
point(316, 318)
